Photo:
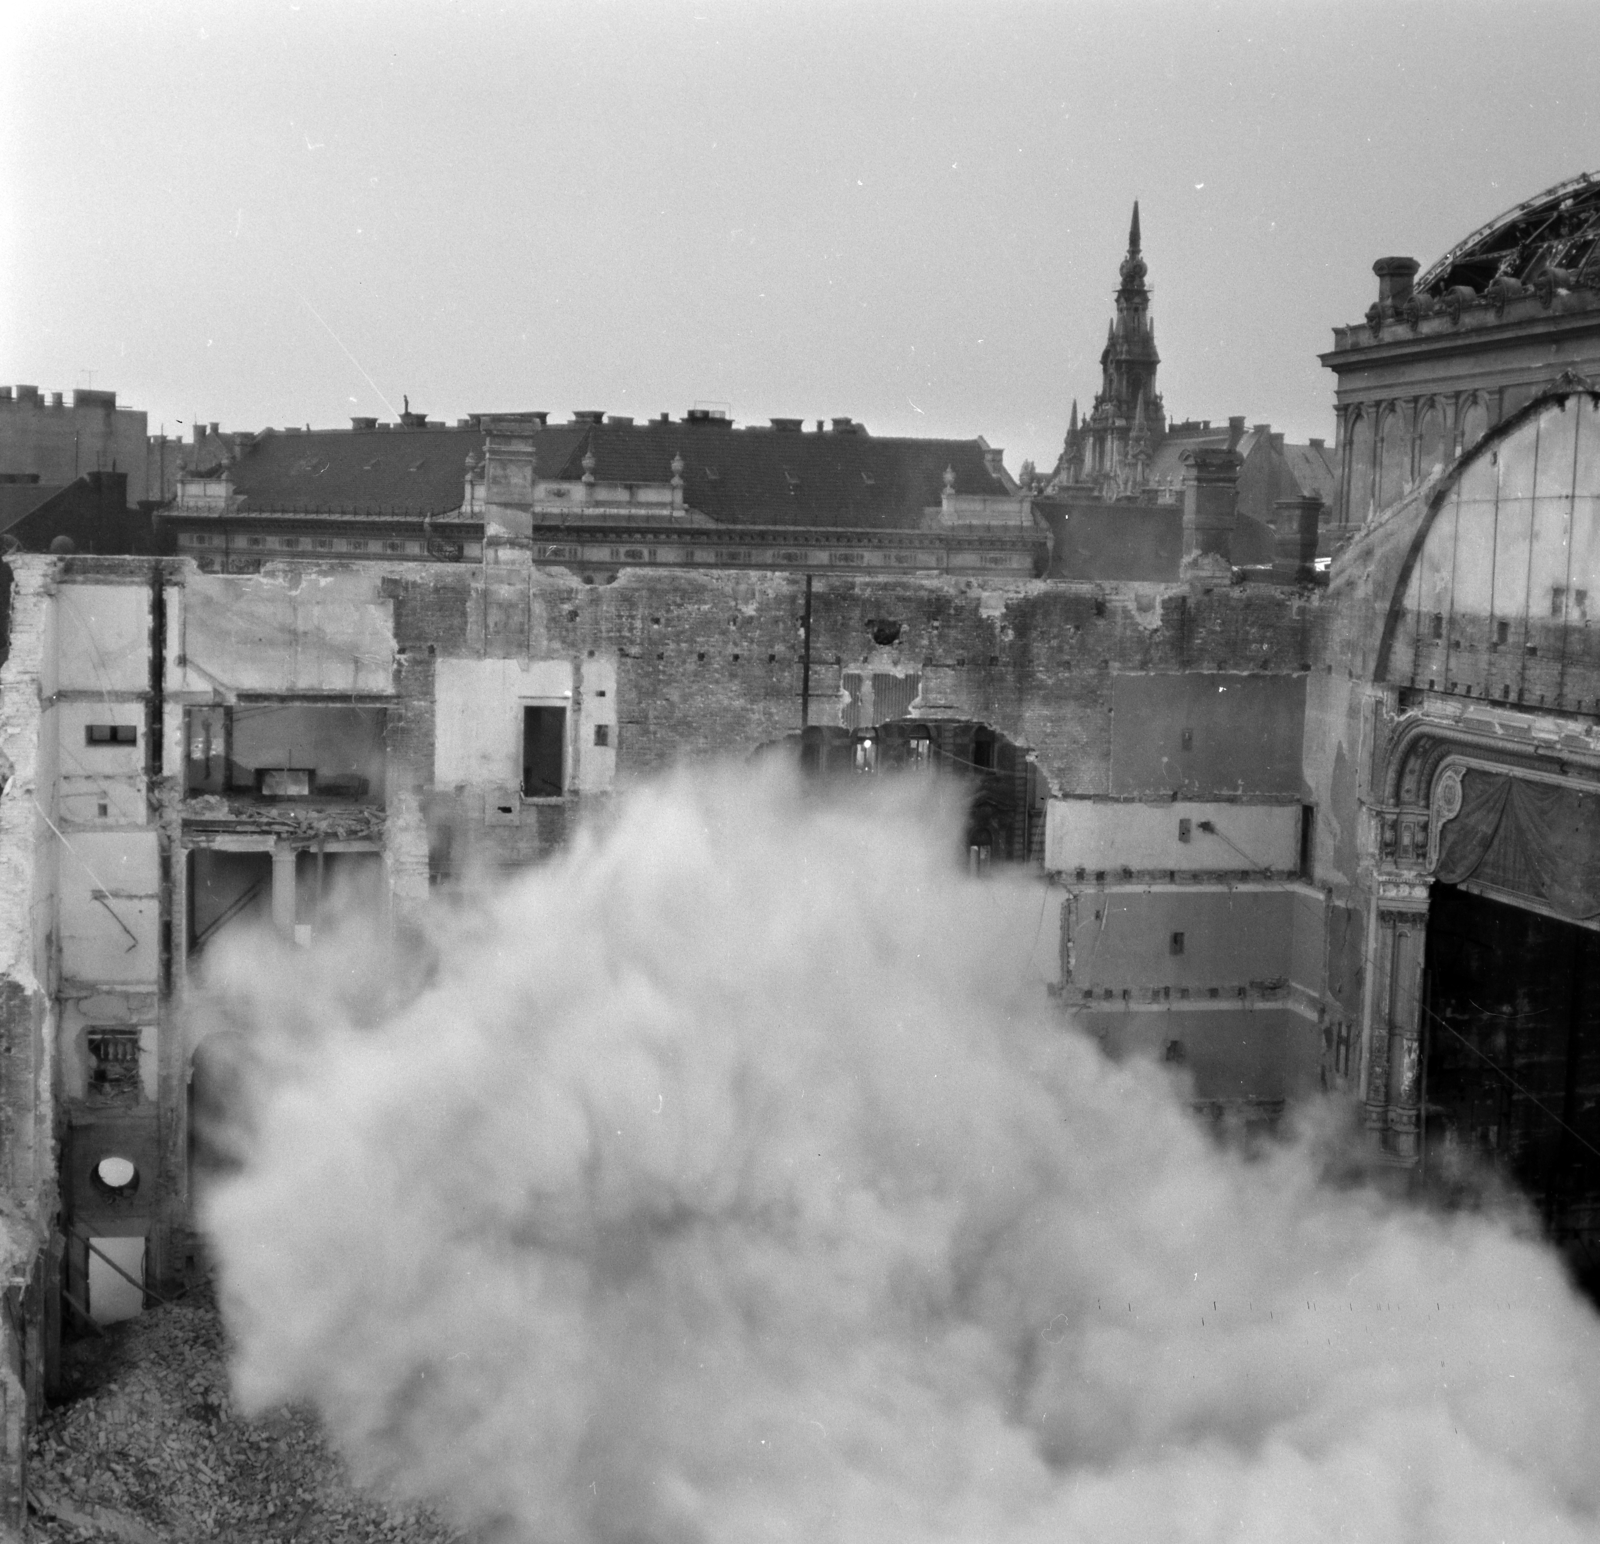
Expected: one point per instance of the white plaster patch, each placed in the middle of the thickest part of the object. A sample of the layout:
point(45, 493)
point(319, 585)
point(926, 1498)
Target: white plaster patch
point(281, 632)
point(477, 724)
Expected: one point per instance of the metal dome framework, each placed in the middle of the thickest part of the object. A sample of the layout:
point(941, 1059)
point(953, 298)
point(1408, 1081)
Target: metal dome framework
point(1556, 232)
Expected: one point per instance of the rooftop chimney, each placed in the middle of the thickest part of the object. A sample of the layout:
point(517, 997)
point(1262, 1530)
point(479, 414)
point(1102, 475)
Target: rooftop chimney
point(1294, 539)
point(588, 416)
point(1210, 509)
point(787, 425)
point(1394, 281)
point(363, 423)
point(1235, 432)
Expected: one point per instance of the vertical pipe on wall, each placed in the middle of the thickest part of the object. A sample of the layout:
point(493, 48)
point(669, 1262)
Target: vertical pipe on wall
point(805, 659)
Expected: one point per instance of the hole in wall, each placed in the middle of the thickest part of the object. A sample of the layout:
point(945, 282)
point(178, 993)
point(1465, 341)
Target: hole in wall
point(116, 1175)
point(885, 632)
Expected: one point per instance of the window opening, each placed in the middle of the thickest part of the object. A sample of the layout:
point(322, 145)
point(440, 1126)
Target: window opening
point(544, 743)
point(114, 1063)
point(111, 734)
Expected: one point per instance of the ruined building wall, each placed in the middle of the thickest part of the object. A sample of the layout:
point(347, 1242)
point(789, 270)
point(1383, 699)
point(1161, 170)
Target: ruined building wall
point(1143, 705)
point(27, 1020)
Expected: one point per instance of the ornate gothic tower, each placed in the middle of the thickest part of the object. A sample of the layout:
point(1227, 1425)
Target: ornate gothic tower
point(1113, 446)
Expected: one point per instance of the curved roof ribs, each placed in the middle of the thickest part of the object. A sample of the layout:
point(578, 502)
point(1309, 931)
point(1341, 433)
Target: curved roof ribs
point(1558, 229)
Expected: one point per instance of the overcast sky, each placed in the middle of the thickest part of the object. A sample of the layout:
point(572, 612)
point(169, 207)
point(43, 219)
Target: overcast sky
point(292, 212)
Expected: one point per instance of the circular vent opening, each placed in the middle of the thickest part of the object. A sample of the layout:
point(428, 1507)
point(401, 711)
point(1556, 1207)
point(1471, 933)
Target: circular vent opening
point(118, 1175)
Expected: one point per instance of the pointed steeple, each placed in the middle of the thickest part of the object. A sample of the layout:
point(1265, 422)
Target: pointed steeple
point(1121, 433)
point(1072, 422)
point(1133, 266)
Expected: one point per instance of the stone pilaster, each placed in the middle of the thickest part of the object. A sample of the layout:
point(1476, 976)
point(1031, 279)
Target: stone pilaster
point(1394, 1078)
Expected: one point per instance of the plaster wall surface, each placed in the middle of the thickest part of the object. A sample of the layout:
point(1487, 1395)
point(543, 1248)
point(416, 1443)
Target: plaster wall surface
point(1109, 836)
point(110, 907)
point(96, 775)
point(1233, 936)
point(596, 741)
point(1206, 733)
point(478, 707)
point(1265, 1052)
point(289, 629)
point(103, 637)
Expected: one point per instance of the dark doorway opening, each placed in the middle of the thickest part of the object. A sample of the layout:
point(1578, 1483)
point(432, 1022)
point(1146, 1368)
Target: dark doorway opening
point(1512, 1075)
point(544, 751)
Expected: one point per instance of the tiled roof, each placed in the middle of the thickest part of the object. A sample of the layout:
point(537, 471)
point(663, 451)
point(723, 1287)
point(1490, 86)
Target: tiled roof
point(394, 471)
point(736, 476)
point(773, 477)
point(1313, 469)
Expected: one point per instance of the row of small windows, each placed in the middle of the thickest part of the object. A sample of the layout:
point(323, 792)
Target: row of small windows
point(306, 543)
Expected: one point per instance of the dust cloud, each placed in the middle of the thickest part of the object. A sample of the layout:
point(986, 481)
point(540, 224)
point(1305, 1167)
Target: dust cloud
point(732, 1178)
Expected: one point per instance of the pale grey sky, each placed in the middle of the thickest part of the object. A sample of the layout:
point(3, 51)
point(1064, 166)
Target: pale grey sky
point(289, 211)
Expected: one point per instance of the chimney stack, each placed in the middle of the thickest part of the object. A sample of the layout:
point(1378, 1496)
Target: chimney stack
point(1394, 281)
point(1296, 524)
point(1210, 509)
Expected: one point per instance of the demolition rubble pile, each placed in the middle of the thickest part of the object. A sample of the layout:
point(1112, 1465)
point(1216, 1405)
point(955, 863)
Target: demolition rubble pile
point(152, 1450)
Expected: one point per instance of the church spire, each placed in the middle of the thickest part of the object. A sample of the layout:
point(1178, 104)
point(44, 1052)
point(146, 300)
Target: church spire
point(1119, 436)
point(1133, 267)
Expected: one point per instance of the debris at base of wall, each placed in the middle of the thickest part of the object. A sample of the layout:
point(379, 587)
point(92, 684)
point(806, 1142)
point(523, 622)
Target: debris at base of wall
point(146, 1448)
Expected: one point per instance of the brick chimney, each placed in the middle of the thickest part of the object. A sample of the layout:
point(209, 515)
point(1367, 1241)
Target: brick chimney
point(1210, 509)
point(1296, 523)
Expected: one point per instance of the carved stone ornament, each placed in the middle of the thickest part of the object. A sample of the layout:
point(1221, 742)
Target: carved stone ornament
point(1447, 796)
point(1402, 899)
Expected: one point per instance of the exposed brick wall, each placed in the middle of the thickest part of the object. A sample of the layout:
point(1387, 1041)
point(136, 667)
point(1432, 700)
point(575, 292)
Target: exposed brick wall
point(709, 664)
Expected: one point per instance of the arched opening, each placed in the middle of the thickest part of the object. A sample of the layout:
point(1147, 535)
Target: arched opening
point(1511, 1074)
point(218, 1103)
point(1358, 496)
point(1394, 459)
point(1432, 448)
point(1008, 793)
point(1474, 424)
